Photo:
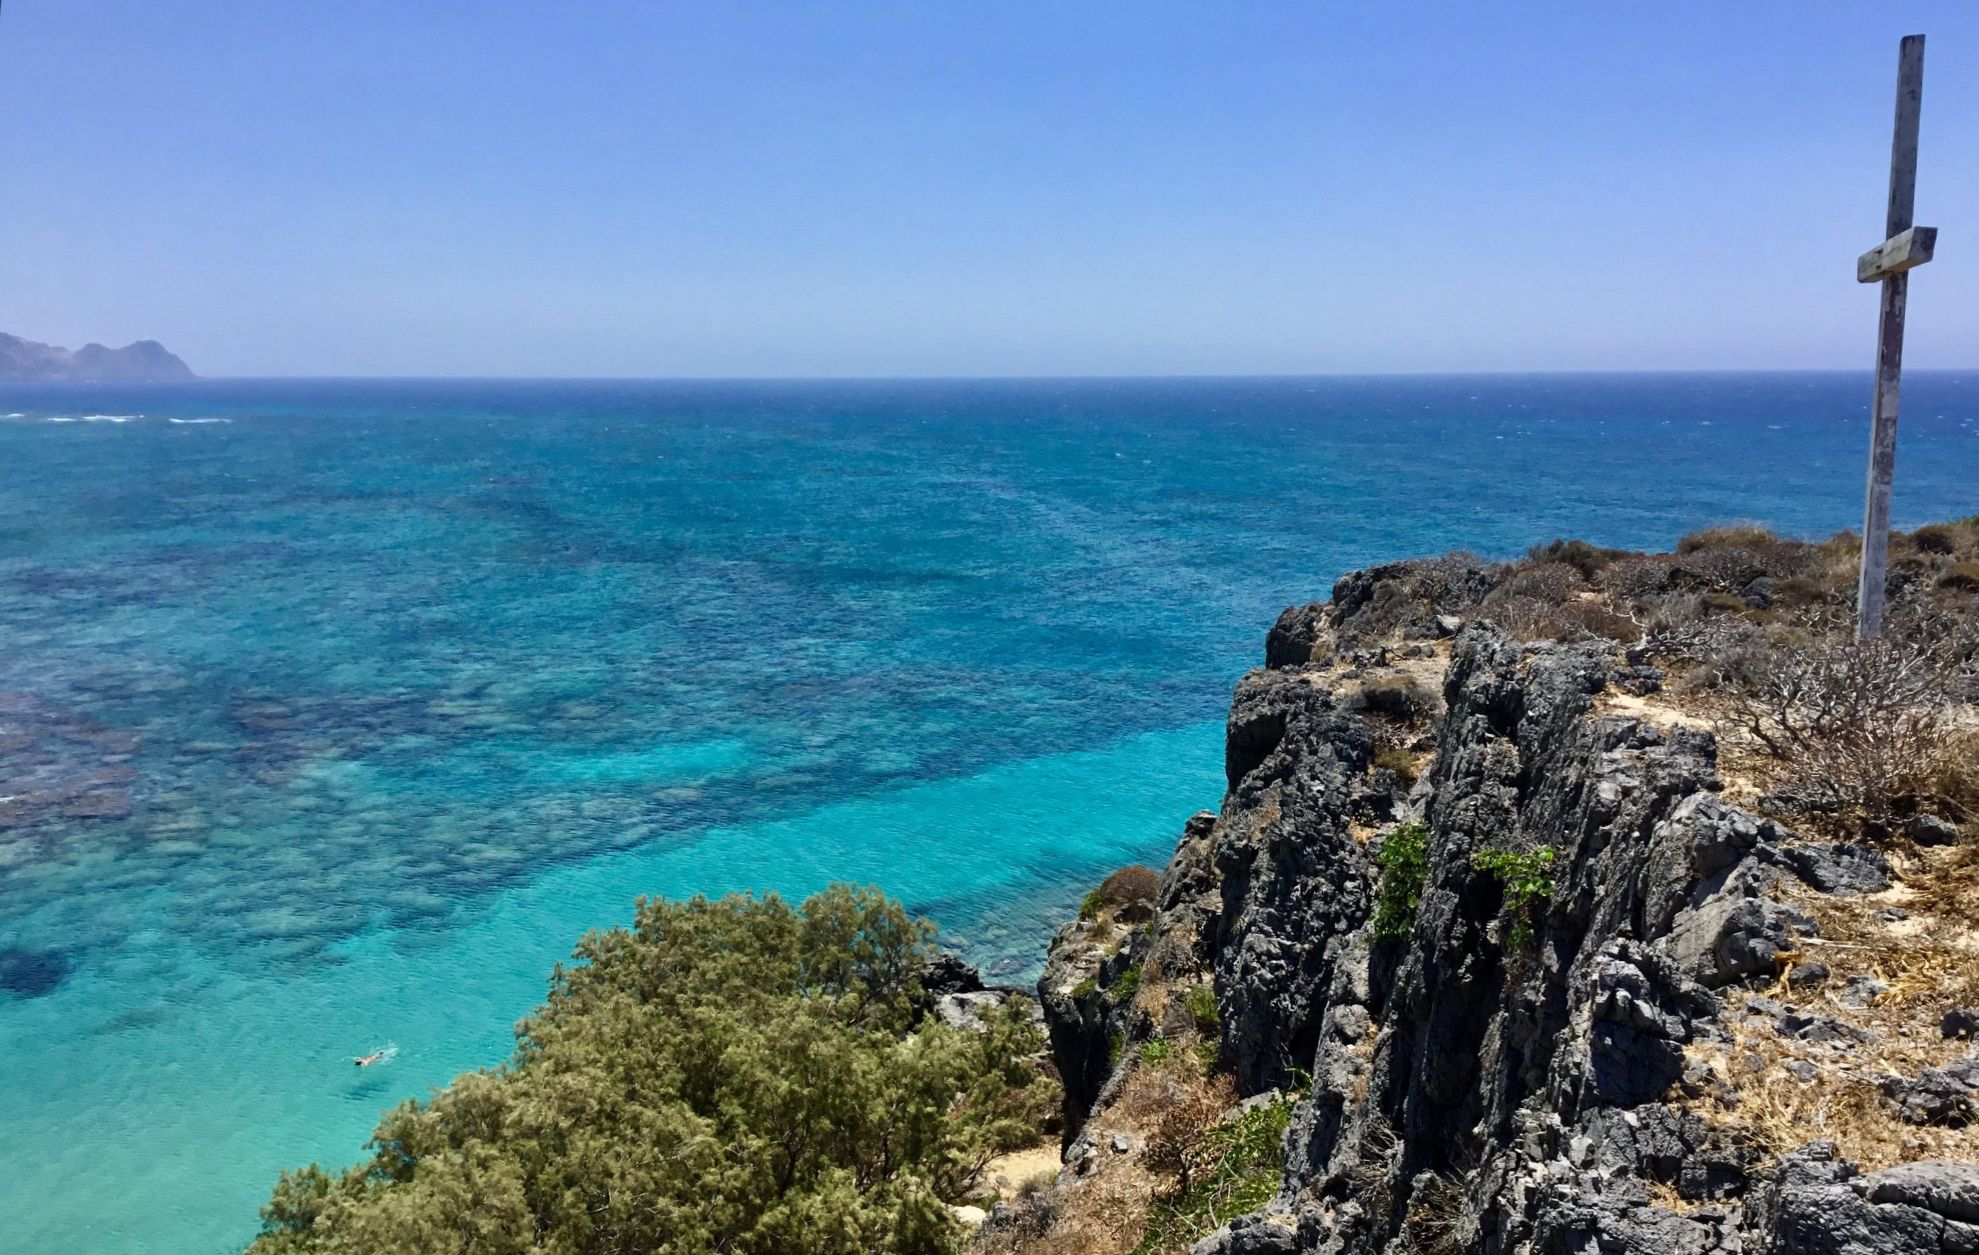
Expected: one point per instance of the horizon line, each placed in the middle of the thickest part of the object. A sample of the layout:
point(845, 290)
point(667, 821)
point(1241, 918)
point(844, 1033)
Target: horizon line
point(991, 378)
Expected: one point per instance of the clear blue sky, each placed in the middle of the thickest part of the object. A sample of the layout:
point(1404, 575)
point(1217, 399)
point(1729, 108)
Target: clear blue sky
point(974, 186)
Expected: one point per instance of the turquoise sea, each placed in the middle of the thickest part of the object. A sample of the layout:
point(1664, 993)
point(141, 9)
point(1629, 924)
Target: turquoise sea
point(332, 712)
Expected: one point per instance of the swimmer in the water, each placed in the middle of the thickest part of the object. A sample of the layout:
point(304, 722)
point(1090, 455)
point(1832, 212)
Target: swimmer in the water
point(381, 1055)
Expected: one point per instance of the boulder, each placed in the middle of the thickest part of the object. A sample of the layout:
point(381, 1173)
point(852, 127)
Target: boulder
point(1819, 1205)
point(1734, 936)
point(1295, 636)
point(948, 973)
point(1947, 1096)
point(1791, 1021)
point(1930, 830)
point(968, 1012)
point(1837, 867)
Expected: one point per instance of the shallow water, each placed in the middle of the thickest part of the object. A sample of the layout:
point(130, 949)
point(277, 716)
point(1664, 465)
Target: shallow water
point(333, 723)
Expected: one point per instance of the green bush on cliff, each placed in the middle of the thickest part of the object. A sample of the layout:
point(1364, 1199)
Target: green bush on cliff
point(1404, 862)
point(734, 1075)
point(1528, 881)
point(1200, 1002)
point(1126, 986)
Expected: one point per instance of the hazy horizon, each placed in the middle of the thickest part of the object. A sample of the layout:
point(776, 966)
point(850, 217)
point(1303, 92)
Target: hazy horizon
point(1865, 372)
point(884, 190)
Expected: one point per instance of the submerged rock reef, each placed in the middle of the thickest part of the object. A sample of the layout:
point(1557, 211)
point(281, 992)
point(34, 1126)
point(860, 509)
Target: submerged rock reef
point(1539, 976)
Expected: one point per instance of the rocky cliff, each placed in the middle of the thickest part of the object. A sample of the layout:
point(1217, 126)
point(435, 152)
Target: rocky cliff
point(1561, 993)
point(144, 361)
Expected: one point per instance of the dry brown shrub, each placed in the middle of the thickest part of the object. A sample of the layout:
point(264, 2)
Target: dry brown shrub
point(1637, 574)
point(1131, 886)
point(1401, 698)
point(1526, 618)
point(1400, 761)
point(1454, 579)
point(1727, 536)
point(1432, 1225)
point(1578, 554)
point(1597, 619)
point(1551, 582)
point(1935, 538)
point(1727, 650)
point(1953, 779)
point(1962, 577)
point(1857, 725)
point(1171, 1105)
point(1176, 1104)
point(1722, 570)
point(1811, 590)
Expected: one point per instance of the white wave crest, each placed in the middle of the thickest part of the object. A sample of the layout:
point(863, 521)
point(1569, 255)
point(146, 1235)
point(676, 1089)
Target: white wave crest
point(194, 422)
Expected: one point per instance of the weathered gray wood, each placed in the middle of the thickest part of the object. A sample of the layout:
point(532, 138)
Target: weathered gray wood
point(1898, 253)
point(1903, 140)
point(1871, 589)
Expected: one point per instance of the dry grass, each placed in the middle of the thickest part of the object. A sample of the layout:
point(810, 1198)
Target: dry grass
point(1019, 1172)
point(1164, 1110)
point(1929, 962)
point(1431, 1226)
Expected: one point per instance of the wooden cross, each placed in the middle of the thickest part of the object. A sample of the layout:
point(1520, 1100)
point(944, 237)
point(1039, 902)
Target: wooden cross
point(1890, 263)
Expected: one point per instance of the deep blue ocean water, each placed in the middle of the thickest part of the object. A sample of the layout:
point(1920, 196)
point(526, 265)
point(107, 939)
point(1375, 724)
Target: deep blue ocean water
point(332, 712)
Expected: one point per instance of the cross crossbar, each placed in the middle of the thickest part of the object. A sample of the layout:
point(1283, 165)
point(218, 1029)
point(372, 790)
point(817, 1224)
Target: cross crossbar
point(1897, 254)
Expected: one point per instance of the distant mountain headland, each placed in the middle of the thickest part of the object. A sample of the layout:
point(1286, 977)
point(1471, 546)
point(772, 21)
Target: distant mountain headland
point(145, 361)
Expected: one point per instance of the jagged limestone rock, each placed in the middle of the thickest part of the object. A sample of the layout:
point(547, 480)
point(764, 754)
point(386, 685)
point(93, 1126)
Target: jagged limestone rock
point(1495, 1084)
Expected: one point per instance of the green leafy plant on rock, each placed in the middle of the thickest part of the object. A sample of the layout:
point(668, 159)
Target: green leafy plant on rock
point(1399, 761)
point(1200, 1003)
point(1404, 862)
point(1126, 985)
point(1528, 880)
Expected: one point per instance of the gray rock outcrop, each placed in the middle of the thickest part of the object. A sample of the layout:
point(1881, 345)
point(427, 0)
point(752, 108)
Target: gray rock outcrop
point(1507, 1077)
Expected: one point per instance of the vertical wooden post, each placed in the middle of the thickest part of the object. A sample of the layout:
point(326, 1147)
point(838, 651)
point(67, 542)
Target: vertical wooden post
point(1871, 590)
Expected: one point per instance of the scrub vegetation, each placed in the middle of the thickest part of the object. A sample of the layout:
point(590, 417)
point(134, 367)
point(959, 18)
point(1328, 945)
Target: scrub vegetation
point(1754, 632)
point(734, 1075)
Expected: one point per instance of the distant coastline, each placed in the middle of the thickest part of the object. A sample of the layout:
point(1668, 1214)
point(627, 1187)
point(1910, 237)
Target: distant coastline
point(142, 361)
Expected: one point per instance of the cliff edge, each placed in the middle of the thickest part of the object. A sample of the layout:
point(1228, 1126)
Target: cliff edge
point(1507, 937)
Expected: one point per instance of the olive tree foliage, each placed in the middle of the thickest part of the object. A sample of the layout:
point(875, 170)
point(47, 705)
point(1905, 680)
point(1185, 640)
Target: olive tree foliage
point(732, 1075)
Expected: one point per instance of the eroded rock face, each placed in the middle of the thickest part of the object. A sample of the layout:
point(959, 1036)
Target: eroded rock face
point(1501, 1079)
point(1294, 882)
point(1296, 635)
point(1420, 597)
point(1502, 1063)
